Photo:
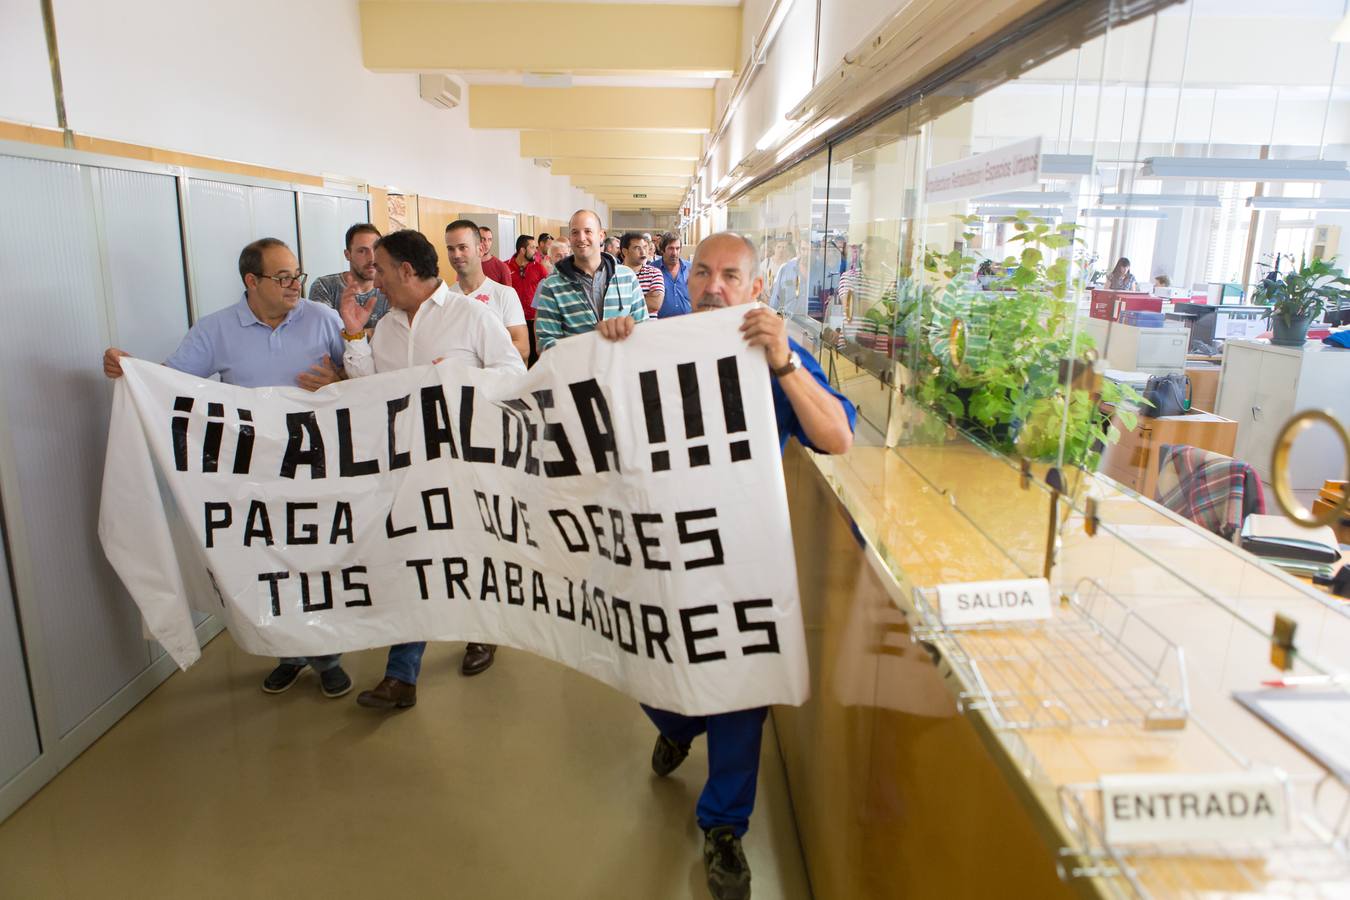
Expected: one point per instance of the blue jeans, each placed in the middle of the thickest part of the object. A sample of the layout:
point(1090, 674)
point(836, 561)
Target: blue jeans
point(728, 797)
point(405, 661)
point(317, 663)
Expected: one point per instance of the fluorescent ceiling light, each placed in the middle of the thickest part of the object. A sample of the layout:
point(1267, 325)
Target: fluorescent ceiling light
point(1066, 164)
point(1208, 201)
point(773, 135)
point(1124, 214)
point(1039, 212)
point(1037, 198)
point(780, 13)
point(1342, 34)
point(1201, 168)
point(1299, 203)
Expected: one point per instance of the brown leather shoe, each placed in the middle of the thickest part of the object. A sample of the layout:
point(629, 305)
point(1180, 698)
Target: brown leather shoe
point(389, 694)
point(477, 658)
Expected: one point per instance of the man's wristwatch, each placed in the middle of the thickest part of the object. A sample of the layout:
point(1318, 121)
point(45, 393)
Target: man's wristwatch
point(793, 362)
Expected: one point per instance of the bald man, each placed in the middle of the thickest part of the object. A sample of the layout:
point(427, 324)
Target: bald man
point(725, 272)
point(586, 288)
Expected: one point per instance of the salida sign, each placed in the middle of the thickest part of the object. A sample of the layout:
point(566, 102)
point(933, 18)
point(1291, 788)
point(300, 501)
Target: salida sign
point(619, 508)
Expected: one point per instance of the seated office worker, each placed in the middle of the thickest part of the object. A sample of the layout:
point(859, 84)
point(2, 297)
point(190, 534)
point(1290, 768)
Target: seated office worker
point(585, 288)
point(449, 326)
point(360, 255)
point(271, 338)
point(725, 273)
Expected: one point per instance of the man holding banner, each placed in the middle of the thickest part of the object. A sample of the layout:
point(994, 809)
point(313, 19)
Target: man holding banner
point(725, 273)
point(272, 337)
point(448, 325)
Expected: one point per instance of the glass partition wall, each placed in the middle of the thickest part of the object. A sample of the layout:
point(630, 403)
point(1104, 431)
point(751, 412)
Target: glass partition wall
point(1089, 375)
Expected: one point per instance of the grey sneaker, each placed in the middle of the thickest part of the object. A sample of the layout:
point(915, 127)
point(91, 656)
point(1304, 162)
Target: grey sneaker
point(335, 682)
point(724, 861)
point(667, 755)
point(281, 678)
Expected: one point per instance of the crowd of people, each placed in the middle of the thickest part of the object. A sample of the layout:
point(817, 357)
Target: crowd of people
point(502, 314)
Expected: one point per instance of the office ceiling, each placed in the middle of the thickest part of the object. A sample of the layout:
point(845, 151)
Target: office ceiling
point(595, 90)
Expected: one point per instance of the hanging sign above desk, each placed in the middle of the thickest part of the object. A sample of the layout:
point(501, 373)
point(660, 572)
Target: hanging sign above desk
point(1015, 600)
point(1005, 169)
point(1158, 808)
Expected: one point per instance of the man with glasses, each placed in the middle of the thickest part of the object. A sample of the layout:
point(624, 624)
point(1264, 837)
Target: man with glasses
point(653, 286)
point(359, 278)
point(272, 337)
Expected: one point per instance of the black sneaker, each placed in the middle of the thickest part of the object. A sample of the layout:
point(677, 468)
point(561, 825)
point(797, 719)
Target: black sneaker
point(335, 682)
point(667, 755)
point(281, 678)
point(724, 861)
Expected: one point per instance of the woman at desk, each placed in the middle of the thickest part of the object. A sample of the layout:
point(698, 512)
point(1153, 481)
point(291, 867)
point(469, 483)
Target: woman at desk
point(1120, 278)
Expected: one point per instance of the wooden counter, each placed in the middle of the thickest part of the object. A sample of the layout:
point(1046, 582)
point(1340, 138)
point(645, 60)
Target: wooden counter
point(900, 794)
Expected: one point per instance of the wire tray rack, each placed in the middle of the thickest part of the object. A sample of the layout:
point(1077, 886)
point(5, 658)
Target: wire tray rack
point(1312, 861)
point(1096, 663)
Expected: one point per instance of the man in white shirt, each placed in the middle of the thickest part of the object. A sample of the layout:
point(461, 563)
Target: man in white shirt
point(462, 239)
point(426, 323)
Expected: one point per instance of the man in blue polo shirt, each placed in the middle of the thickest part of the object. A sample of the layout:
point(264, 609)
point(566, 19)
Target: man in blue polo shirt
point(272, 337)
point(675, 271)
point(725, 273)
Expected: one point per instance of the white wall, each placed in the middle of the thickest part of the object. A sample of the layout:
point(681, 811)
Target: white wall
point(271, 83)
point(25, 79)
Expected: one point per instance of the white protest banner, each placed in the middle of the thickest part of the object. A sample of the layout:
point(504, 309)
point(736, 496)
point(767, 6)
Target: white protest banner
point(620, 509)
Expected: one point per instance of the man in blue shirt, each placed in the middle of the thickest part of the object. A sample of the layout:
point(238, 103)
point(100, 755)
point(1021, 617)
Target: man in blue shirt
point(725, 273)
point(272, 337)
point(675, 271)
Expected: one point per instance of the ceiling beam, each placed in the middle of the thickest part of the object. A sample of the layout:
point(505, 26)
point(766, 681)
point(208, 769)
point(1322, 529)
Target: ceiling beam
point(589, 108)
point(600, 166)
point(408, 36)
point(600, 182)
point(611, 144)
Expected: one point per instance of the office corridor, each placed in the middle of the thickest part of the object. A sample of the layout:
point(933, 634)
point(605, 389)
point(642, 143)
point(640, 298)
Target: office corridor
point(527, 781)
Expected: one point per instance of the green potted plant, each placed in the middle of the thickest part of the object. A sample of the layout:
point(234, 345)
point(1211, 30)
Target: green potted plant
point(1298, 297)
point(1004, 386)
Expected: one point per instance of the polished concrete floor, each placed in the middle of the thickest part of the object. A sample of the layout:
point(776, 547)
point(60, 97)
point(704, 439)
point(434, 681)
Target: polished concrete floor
point(526, 781)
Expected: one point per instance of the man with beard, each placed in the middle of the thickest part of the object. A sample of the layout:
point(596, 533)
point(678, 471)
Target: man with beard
point(360, 255)
point(527, 271)
point(725, 272)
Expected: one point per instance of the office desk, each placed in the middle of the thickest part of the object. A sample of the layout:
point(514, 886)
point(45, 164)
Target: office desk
point(1134, 459)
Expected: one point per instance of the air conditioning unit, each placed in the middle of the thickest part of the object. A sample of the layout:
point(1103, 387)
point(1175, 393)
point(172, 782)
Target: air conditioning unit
point(439, 90)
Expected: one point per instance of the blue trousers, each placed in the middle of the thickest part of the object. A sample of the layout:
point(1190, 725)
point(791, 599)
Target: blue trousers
point(317, 663)
point(728, 796)
point(405, 661)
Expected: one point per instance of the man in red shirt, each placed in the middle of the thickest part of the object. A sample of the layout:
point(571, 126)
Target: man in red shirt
point(527, 270)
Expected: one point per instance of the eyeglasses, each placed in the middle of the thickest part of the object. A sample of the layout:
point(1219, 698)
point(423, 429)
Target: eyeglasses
point(286, 279)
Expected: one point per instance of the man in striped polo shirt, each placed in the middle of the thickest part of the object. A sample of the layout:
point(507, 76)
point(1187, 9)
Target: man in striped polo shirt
point(586, 288)
point(634, 250)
